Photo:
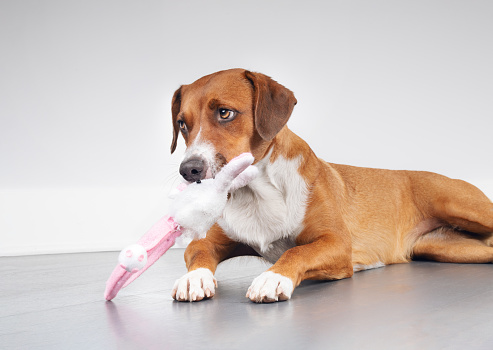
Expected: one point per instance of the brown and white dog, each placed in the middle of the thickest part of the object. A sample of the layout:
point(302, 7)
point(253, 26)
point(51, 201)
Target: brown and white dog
point(310, 218)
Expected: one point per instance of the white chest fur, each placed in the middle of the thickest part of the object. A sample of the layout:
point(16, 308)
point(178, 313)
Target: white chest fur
point(268, 213)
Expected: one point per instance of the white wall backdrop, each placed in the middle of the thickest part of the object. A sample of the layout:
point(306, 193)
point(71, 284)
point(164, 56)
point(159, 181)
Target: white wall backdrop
point(85, 91)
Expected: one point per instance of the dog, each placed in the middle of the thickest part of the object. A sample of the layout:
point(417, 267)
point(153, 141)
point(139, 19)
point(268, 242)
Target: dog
point(311, 219)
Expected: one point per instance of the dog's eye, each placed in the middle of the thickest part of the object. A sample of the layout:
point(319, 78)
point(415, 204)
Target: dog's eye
point(182, 125)
point(225, 114)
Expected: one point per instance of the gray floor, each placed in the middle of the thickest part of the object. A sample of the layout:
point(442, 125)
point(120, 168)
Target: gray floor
point(56, 302)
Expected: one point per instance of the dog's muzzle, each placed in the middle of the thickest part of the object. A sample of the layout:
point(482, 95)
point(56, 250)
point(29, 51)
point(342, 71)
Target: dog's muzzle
point(193, 169)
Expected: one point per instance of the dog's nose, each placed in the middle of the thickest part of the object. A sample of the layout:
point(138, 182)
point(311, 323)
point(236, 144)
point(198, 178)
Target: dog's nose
point(193, 169)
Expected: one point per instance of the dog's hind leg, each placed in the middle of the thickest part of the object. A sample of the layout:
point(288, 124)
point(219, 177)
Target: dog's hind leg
point(448, 245)
point(456, 203)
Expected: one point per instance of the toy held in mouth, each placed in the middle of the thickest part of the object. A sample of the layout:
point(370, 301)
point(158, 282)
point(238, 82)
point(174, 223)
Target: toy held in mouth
point(195, 208)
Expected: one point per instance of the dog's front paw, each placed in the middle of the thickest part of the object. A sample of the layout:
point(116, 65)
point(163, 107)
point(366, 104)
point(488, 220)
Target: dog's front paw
point(195, 286)
point(270, 287)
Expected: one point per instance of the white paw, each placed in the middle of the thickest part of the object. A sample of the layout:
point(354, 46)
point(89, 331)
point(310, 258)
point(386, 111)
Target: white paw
point(270, 287)
point(195, 286)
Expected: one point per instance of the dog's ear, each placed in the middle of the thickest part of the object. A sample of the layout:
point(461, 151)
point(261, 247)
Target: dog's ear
point(272, 104)
point(175, 109)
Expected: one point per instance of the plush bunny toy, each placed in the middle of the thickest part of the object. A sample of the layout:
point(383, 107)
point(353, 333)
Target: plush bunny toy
point(195, 208)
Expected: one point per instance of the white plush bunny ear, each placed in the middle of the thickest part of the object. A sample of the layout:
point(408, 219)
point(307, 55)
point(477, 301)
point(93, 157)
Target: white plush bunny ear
point(244, 178)
point(224, 179)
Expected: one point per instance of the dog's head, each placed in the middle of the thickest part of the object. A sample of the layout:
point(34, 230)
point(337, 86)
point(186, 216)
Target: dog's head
point(225, 114)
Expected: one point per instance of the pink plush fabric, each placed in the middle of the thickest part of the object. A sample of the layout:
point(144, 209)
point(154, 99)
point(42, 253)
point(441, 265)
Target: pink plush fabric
point(156, 242)
point(165, 242)
point(116, 281)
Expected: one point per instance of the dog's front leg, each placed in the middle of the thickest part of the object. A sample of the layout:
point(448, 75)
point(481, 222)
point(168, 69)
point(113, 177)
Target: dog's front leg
point(202, 257)
point(327, 257)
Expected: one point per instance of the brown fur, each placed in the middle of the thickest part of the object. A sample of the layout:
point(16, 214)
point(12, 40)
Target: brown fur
point(354, 215)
